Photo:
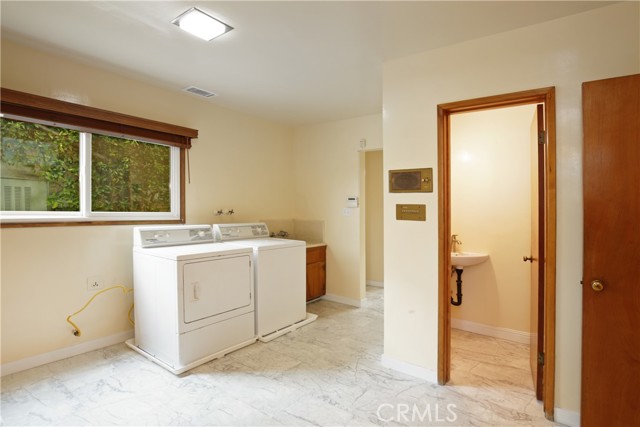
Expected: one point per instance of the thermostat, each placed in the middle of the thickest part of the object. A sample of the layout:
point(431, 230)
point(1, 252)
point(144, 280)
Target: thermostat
point(352, 202)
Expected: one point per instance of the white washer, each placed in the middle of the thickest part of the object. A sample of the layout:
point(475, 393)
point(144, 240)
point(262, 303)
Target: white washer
point(280, 277)
point(194, 299)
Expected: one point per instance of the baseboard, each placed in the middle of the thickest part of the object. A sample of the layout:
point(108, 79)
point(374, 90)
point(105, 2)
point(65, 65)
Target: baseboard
point(63, 353)
point(566, 417)
point(343, 300)
point(492, 331)
point(409, 369)
point(375, 284)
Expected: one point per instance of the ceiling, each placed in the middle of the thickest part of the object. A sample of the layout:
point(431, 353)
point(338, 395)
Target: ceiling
point(295, 62)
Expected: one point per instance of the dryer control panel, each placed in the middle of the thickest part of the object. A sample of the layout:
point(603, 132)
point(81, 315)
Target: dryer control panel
point(150, 237)
point(224, 232)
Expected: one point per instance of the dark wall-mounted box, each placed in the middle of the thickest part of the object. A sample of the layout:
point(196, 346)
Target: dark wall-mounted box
point(411, 180)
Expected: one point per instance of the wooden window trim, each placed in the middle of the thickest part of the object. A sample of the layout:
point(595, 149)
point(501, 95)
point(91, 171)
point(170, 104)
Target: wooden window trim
point(91, 119)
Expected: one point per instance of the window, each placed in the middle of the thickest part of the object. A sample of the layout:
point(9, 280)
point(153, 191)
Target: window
point(39, 167)
point(76, 168)
point(129, 175)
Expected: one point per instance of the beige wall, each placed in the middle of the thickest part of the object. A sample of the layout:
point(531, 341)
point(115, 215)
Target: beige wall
point(327, 163)
point(373, 216)
point(238, 162)
point(491, 213)
point(562, 53)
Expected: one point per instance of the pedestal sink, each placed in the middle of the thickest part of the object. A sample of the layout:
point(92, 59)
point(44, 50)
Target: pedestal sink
point(459, 260)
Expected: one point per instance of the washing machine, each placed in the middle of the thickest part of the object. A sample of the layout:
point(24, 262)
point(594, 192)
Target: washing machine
point(194, 298)
point(280, 277)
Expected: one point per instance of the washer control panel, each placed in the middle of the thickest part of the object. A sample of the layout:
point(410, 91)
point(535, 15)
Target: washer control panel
point(150, 237)
point(223, 232)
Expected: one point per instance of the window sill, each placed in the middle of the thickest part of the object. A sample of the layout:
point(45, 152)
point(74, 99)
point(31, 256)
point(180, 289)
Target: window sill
point(65, 221)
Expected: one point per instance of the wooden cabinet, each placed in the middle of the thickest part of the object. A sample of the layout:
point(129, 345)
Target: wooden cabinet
point(316, 272)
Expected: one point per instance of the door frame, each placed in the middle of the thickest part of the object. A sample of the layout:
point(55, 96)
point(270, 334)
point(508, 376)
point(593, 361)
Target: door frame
point(545, 96)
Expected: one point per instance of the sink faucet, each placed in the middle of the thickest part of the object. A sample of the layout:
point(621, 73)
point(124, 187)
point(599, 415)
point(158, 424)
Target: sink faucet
point(454, 243)
point(283, 234)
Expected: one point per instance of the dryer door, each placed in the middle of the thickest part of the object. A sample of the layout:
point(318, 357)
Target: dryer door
point(216, 286)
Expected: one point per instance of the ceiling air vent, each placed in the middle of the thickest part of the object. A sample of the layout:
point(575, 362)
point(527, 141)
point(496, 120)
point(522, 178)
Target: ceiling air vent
point(199, 92)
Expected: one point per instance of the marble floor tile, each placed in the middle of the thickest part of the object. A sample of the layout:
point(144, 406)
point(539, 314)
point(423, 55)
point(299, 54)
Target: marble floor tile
point(327, 373)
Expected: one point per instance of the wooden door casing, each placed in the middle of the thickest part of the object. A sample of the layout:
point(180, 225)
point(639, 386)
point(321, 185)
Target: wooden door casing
point(545, 96)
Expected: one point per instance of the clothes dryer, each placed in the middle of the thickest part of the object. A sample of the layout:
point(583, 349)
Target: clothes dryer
point(194, 298)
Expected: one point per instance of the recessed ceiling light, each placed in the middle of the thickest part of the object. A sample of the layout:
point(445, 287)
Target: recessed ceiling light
point(201, 24)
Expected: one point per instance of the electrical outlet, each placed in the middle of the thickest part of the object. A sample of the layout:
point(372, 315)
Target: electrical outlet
point(95, 283)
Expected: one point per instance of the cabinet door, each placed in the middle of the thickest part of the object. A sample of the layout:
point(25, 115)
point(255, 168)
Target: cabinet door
point(316, 272)
point(315, 280)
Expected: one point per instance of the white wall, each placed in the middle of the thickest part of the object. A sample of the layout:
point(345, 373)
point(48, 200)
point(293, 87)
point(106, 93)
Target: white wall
point(327, 164)
point(491, 213)
point(563, 53)
point(238, 162)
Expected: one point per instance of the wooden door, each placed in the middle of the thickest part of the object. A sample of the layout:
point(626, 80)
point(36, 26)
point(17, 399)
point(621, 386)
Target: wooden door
point(611, 281)
point(537, 257)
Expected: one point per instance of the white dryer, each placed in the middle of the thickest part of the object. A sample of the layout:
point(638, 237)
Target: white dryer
point(280, 277)
point(194, 299)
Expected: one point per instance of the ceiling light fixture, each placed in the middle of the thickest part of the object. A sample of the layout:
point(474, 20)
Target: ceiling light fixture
point(201, 24)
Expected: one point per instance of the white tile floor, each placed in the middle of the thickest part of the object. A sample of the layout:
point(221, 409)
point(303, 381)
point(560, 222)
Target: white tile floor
point(326, 373)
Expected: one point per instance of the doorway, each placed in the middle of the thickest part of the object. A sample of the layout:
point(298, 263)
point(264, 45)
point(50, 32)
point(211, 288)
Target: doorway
point(374, 221)
point(493, 155)
point(545, 329)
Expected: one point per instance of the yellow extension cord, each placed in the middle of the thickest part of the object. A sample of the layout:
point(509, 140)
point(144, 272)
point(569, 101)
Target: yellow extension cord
point(76, 330)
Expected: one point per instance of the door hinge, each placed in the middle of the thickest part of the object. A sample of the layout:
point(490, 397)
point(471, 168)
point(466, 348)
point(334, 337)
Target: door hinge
point(542, 137)
point(540, 358)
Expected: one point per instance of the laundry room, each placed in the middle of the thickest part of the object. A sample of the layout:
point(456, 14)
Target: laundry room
point(257, 168)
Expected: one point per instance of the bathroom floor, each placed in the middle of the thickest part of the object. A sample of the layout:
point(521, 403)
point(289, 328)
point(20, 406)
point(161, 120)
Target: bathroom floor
point(326, 373)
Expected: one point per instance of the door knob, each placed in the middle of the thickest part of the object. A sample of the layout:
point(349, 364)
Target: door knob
point(597, 285)
point(527, 258)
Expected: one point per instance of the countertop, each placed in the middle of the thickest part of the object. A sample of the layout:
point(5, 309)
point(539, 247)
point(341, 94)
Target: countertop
point(315, 244)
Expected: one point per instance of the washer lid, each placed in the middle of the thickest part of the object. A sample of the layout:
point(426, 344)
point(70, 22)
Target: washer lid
point(268, 243)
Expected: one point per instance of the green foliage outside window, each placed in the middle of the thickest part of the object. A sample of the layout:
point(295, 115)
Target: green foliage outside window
point(39, 154)
point(126, 175)
point(129, 175)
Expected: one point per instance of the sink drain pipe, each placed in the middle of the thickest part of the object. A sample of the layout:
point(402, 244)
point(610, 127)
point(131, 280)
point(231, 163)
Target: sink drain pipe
point(459, 291)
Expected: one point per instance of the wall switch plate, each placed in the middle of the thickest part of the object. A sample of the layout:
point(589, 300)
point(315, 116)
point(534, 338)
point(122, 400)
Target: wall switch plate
point(346, 212)
point(95, 283)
